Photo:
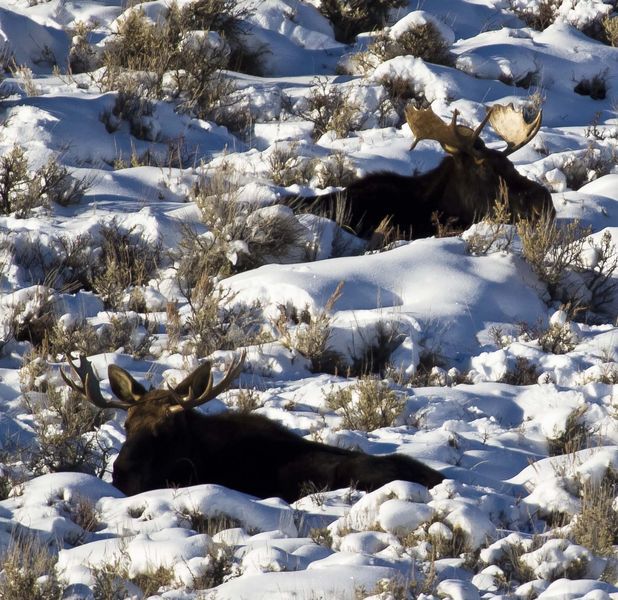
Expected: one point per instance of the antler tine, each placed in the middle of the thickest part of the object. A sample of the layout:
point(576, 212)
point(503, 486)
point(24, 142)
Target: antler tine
point(510, 125)
point(90, 384)
point(210, 391)
point(230, 375)
point(477, 132)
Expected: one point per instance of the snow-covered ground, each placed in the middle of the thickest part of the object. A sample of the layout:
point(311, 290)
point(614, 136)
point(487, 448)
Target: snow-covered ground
point(502, 389)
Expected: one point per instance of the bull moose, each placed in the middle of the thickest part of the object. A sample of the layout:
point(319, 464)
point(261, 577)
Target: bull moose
point(169, 443)
point(460, 191)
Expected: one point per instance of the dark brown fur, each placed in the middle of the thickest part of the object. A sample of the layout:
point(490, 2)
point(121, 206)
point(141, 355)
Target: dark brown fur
point(461, 190)
point(245, 452)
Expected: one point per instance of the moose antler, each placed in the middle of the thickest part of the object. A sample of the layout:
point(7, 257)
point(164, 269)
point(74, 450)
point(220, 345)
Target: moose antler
point(189, 400)
point(510, 125)
point(90, 384)
point(427, 125)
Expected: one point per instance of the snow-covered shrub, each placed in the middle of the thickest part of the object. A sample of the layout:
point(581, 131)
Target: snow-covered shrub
point(493, 234)
point(367, 405)
point(309, 334)
point(126, 259)
point(582, 167)
point(522, 372)
point(551, 249)
point(152, 580)
point(83, 512)
point(24, 76)
point(22, 189)
point(107, 581)
point(595, 86)
point(330, 108)
point(31, 314)
point(77, 336)
point(134, 109)
point(375, 348)
point(558, 558)
point(336, 170)
point(287, 167)
point(28, 572)
point(83, 57)
point(66, 433)
point(400, 92)
point(246, 400)
point(507, 552)
point(577, 268)
point(423, 40)
point(538, 15)
point(610, 30)
point(349, 18)
point(115, 579)
point(596, 526)
point(241, 236)
point(204, 523)
point(575, 435)
point(558, 338)
point(220, 565)
point(212, 323)
point(179, 57)
point(585, 16)
point(53, 183)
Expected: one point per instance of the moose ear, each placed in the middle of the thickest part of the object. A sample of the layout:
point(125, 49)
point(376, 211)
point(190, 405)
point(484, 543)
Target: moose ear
point(196, 382)
point(124, 386)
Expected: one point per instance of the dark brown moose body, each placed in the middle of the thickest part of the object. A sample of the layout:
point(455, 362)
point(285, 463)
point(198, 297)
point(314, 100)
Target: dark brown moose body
point(251, 454)
point(460, 191)
point(168, 443)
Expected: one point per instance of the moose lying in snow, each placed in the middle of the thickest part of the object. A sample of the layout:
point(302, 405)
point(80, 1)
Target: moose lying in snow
point(170, 444)
point(460, 191)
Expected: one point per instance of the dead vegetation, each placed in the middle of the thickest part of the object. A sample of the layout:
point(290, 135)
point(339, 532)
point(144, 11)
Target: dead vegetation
point(23, 190)
point(329, 107)
point(423, 41)
point(66, 433)
point(351, 18)
point(557, 255)
point(366, 405)
point(596, 527)
point(28, 571)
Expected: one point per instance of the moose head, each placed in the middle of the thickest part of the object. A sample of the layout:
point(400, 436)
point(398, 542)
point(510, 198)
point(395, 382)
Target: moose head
point(461, 190)
point(156, 422)
point(169, 443)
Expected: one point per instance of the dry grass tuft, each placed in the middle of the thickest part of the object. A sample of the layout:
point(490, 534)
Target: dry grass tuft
point(367, 405)
point(309, 334)
point(596, 527)
point(576, 435)
point(28, 572)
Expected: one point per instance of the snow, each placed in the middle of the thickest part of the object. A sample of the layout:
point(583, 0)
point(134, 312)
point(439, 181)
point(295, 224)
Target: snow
point(461, 324)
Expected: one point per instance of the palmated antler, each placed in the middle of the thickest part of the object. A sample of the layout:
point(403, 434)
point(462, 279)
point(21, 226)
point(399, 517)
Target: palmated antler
point(184, 394)
point(90, 384)
point(427, 125)
point(510, 125)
